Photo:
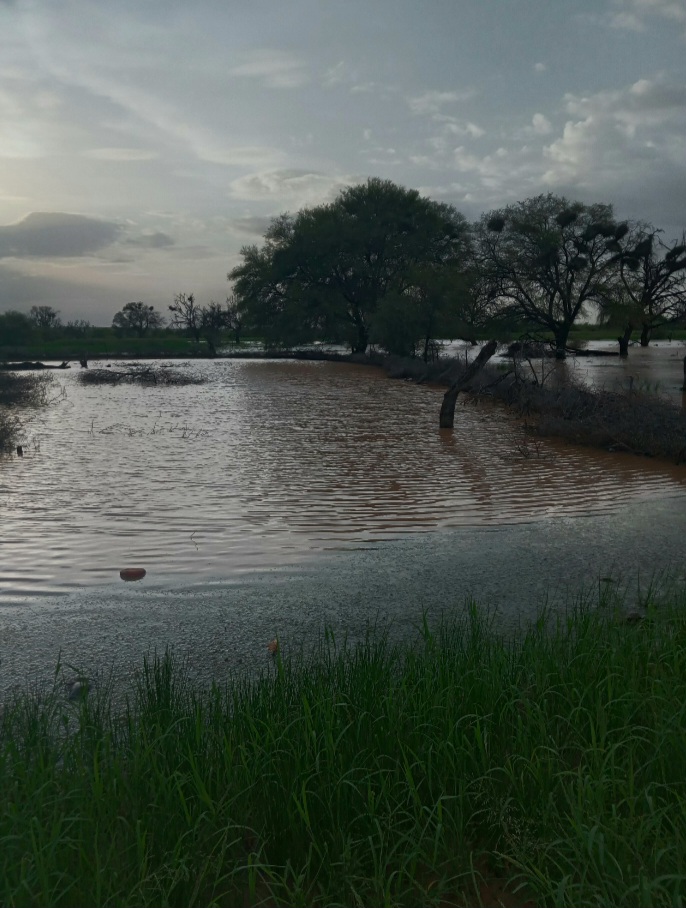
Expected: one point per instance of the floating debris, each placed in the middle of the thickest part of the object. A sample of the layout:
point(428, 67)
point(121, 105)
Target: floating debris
point(132, 573)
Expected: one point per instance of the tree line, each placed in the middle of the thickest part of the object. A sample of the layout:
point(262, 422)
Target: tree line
point(136, 319)
point(383, 265)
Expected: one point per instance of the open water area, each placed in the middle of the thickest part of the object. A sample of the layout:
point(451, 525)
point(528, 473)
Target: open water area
point(280, 497)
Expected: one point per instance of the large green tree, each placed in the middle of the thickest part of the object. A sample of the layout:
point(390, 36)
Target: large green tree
point(548, 260)
point(323, 272)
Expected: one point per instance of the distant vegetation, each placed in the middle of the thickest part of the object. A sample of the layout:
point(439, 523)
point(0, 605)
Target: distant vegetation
point(462, 768)
point(381, 264)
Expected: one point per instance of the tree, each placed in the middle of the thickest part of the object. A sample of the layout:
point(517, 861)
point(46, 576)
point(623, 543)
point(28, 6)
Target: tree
point(653, 281)
point(234, 318)
point(15, 327)
point(548, 260)
point(45, 317)
point(186, 315)
point(138, 318)
point(323, 273)
point(212, 322)
point(78, 328)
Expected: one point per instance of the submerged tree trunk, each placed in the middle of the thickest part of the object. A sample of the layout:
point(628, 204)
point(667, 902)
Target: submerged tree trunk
point(447, 417)
point(561, 336)
point(624, 340)
point(646, 331)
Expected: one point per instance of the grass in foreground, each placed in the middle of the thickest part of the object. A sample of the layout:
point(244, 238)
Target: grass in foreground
point(464, 770)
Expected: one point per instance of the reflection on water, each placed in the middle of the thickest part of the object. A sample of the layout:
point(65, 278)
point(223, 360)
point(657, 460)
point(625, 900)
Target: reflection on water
point(269, 461)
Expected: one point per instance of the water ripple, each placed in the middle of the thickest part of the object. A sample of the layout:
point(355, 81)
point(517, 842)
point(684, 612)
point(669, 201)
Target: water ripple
point(270, 461)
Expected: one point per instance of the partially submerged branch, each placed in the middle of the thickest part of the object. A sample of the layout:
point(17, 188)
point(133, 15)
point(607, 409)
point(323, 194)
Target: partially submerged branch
point(463, 383)
point(141, 375)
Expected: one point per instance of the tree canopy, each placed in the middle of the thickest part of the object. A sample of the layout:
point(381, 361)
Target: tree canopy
point(137, 318)
point(548, 259)
point(323, 273)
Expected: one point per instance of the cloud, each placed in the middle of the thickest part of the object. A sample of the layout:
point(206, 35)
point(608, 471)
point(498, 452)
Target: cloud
point(55, 234)
point(432, 102)
point(541, 124)
point(540, 67)
point(274, 68)
point(120, 154)
point(633, 15)
point(456, 128)
point(150, 240)
point(627, 144)
point(287, 187)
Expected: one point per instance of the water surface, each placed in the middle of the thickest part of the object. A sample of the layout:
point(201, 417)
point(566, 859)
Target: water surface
point(270, 463)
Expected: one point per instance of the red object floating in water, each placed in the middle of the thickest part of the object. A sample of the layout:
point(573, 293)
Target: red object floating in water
point(132, 573)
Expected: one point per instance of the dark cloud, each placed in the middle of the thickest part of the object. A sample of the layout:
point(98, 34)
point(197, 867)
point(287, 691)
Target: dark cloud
point(151, 241)
point(55, 234)
point(256, 225)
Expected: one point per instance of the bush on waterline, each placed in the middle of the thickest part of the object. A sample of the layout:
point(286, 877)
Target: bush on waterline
point(16, 391)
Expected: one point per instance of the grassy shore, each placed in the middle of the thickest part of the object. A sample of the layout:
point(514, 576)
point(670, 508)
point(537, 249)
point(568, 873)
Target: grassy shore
point(463, 769)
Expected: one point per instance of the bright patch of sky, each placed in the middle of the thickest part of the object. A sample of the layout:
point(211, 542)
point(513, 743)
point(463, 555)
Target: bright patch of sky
point(142, 144)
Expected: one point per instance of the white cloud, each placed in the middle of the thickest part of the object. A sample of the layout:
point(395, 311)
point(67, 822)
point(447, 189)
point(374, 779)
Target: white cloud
point(120, 154)
point(289, 188)
point(626, 144)
point(634, 15)
point(274, 68)
point(541, 124)
point(540, 67)
point(432, 102)
point(470, 129)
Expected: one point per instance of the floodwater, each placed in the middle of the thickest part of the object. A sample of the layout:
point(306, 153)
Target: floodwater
point(271, 462)
point(657, 369)
point(279, 498)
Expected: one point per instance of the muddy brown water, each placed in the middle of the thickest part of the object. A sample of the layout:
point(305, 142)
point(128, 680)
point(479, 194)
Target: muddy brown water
point(285, 471)
point(269, 462)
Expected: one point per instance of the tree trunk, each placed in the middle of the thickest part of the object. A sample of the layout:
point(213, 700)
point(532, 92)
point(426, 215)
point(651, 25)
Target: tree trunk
point(646, 331)
point(624, 340)
point(447, 417)
point(561, 336)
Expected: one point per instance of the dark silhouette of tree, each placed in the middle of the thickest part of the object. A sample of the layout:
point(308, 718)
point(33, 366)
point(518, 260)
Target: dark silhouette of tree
point(45, 317)
point(78, 328)
point(15, 327)
point(234, 318)
point(137, 318)
point(548, 260)
point(187, 315)
point(653, 280)
point(324, 272)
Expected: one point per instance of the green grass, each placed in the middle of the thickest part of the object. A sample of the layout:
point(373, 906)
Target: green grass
point(551, 765)
point(103, 346)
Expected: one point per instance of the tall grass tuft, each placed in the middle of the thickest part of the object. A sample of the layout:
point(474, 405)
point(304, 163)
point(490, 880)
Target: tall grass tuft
point(548, 768)
point(16, 391)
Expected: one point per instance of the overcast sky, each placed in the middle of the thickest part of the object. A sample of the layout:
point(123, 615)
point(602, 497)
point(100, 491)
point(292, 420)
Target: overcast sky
point(143, 143)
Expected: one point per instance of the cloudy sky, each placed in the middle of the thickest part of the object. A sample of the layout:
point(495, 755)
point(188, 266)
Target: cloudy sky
point(143, 143)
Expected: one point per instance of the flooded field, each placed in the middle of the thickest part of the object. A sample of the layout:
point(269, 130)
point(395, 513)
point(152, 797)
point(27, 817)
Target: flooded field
point(269, 463)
